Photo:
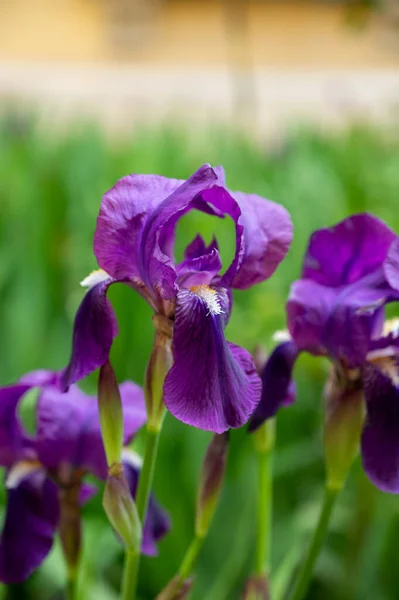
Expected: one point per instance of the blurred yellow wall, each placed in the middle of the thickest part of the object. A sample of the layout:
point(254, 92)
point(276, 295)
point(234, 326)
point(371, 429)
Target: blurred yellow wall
point(281, 34)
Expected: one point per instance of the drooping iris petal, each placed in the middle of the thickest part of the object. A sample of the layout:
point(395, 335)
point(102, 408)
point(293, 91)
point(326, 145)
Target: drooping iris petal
point(391, 265)
point(124, 211)
point(157, 522)
point(12, 435)
point(68, 428)
point(267, 238)
point(212, 385)
point(95, 328)
point(380, 437)
point(30, 523)
point(345, 253)
point(278, 388)
point(340, 322)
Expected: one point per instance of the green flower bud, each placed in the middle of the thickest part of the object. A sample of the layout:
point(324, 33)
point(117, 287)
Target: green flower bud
point(111, 416)
point(343, 422)
point(160, 362)
point(211, 482)
point(121, 509)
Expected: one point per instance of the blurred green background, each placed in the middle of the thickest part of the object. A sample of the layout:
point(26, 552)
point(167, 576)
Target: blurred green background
point(50, 192)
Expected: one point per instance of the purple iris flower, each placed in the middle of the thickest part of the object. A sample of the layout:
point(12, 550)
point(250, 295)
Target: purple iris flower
point(350, 272)
point(42, 467)
point(212, 384)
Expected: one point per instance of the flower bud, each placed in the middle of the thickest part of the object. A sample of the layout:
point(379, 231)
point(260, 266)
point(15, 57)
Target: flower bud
point(257, 588)
point(343, 422)
point(121, 509)
point(177, 589)
point(211, 482)
point(111, 416)
point(160, 362)
point(70, 526)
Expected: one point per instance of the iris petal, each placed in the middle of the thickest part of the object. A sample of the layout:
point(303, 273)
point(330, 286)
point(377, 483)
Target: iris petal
point(212, 385)
point(69, 427)
point(30, 523)
point(12, 435)
point(380, 437)
point(391, 266)
point(267, 236)
point(278, 388)
point(345, 253)
point(340, 322)
point(123, 215)
point(95, 328)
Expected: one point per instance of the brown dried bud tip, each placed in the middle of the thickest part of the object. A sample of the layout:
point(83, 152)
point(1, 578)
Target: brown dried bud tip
point(343, 422)
point(70, 526)
point(257, 588)
point(211, 481)
point(176, 589)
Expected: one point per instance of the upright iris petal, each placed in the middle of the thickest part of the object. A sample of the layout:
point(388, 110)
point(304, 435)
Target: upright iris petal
point(134, 244)
point(337, 306)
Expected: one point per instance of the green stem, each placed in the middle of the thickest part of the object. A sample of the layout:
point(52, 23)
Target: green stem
point(264, 444)
point(190, 557)
point(263, 542)
point(132, 560)
point(305, 573)
point(71, 585)
point(129, 575)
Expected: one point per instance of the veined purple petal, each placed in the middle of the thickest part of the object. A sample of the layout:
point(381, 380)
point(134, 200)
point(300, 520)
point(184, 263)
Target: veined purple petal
point(12, 435)
point(391, 266)
point(29, 527)
point(68, 428)
point(267, 238)
point(345, 253)
point(278, 387)
point(95, 328)
point(157, 261)
point(157, 522)
point(380, 437)
point(124, 212)
point(212, 385)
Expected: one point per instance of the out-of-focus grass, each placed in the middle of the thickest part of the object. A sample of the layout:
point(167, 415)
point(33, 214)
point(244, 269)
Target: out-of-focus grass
point(50, 191)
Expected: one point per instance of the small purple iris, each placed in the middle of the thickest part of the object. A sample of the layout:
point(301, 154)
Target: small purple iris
point(350, 272)
point(212, 384)
point(42, 468)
